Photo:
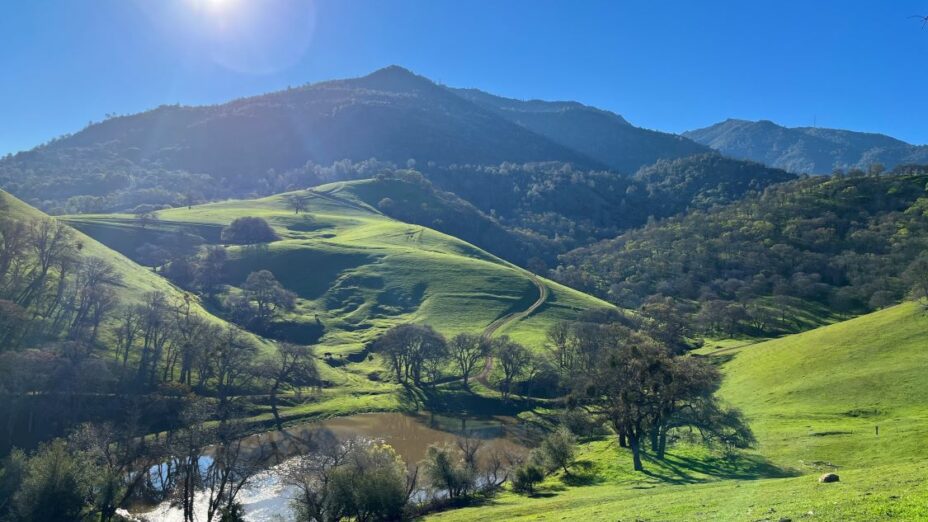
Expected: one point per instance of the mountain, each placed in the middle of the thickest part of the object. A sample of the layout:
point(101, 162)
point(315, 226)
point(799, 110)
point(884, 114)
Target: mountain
point(599, 134)
point(233, 149)
point(807, 149)
point(284, 140)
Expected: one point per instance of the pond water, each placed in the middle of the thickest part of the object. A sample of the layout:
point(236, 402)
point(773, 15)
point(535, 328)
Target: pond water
point(267, 499)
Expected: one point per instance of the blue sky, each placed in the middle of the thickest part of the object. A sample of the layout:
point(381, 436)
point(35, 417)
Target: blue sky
point(668, 65)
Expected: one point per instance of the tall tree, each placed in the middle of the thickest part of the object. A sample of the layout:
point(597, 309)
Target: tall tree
point(467, 351)
point(269, 297)
point(292, 366)
point(513, 360)
point(409, 348)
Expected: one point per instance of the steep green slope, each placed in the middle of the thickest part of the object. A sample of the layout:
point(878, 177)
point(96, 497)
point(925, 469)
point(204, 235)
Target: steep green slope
point(136, 280)
point(409, 197)
point(357, 272)
point(819, 396)
point(814, 401)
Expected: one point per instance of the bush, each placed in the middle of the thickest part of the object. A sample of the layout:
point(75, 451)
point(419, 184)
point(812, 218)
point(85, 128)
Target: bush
point(248, 231)
point(582, 424)
point(446, 470)
point(526, 477)
point(558, 450)
point(372, 481)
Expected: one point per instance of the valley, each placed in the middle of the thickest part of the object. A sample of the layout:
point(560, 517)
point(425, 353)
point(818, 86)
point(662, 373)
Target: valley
point(252, 270)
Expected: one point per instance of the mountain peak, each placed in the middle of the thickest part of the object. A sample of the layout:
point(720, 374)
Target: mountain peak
point(394, 78)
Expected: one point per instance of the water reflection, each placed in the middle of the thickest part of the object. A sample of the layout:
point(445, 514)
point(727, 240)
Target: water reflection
point(410, 435)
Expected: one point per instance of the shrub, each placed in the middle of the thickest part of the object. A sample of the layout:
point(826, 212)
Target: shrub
point(558, 449)
point(526, 477)
point(249, 231)
point(582, 424)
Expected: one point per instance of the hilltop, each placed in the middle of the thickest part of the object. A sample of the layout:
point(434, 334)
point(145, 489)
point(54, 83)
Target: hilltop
point(810, 150)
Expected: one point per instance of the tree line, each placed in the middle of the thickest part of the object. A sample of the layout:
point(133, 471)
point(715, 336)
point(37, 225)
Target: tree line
point(849, 243)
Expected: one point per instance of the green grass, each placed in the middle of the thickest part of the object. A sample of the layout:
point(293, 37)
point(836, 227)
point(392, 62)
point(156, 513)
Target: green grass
point(814, 400)
point(136, 280)
point(357, 272)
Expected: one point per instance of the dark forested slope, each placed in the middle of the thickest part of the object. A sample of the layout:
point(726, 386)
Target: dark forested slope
point(599, 134)
point(844, 242)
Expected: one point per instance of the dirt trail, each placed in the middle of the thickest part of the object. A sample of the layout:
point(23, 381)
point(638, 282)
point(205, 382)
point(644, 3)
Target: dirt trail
point(506, 319)
point(339, 201)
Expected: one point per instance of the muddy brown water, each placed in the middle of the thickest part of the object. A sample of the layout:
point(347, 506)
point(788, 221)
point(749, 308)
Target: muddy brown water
point(409, 434)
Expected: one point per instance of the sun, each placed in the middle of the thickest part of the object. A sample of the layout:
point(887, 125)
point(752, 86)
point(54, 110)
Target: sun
point(213, 5)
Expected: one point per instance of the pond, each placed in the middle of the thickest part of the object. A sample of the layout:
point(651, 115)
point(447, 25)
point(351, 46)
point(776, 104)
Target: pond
point(266, 498)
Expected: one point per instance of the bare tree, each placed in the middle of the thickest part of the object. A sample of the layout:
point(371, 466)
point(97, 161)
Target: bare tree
point(233, 466)
point(293, 366)
point(297, 202)
point(513, 359)
point(467, 350)
point(269, 297)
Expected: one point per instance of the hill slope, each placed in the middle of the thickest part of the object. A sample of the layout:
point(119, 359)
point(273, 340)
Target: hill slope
point(814, 401)
point(841, 243)
point(136, 280)
point(819, 396)
point(806, 149)
point(357, 272)
point(599, 134)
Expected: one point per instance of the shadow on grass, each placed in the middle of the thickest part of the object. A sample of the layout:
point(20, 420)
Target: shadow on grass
point(582, 473)
point(455, 399)
point(680, 469)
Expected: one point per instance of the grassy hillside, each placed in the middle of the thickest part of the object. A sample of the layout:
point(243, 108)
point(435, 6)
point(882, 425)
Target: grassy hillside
point(137, 280)
point(819, 396)
point(814, 400)
point(357, 272)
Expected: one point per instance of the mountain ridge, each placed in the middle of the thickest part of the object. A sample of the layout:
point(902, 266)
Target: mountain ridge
point(813, 150)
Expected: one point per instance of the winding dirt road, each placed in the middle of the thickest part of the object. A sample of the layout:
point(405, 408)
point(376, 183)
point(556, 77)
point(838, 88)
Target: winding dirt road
point(506, 319)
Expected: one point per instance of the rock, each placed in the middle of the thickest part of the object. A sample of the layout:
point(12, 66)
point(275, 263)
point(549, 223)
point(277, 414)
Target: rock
point(829, 477)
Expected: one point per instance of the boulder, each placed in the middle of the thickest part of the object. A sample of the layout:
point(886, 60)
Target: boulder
point(829, 477)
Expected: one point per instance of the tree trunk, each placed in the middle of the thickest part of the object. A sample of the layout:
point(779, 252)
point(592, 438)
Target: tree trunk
point(662, 444)
point(623, 440)
point(280, 426)
point(653, 435)
point(635, 444)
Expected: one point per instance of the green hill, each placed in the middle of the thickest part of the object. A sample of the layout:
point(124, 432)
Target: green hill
point(357, 272)
point(136, 280)
point(814, 401)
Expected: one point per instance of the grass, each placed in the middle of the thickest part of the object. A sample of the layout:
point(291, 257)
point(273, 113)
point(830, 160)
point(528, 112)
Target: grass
point(357, 272)
point(814, 401)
